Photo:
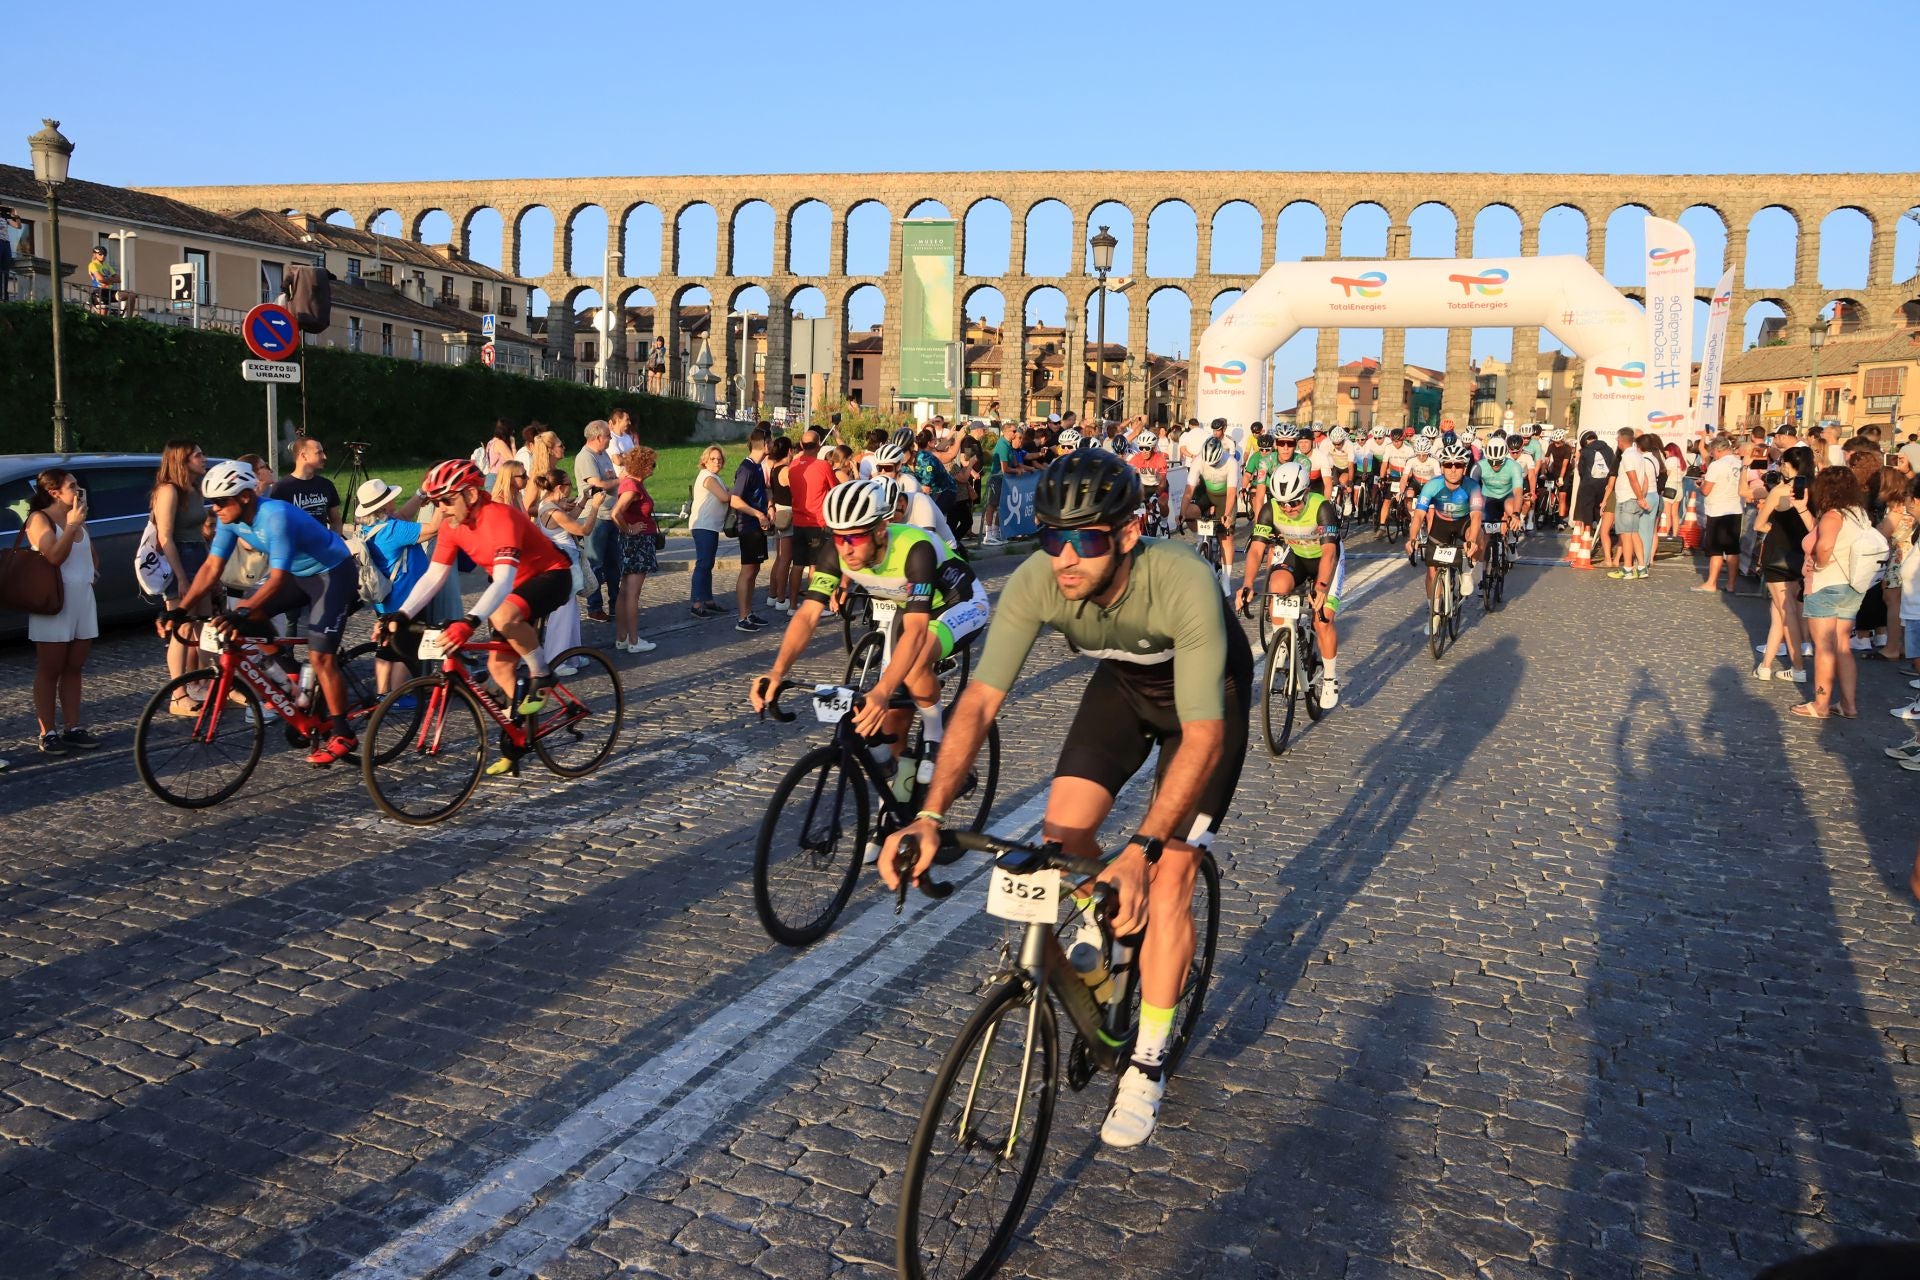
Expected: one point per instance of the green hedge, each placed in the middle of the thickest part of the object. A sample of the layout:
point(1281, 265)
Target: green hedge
point(132, 385)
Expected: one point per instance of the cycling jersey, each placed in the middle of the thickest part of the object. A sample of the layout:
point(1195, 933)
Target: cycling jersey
point(1152, 468)
point(1422, 470)
point(917, 571)
point(1339, 460)
point(1396, 460)
point(921, 511)
point(1306, 532)
point(1218, 479)
point(294, 542)
point(496, 534)
point(1450, 504)
point(1257, 468)
point(1497, 481)
point(1363, 460)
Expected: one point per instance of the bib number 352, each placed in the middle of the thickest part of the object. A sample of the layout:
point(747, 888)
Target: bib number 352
point(1033, 899)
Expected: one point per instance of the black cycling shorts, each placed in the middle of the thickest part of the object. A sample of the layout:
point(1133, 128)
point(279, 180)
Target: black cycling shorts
point(544, 592)
point(1206, 503)
point(1495, 509)
point(1119, 723)
point(326, 598)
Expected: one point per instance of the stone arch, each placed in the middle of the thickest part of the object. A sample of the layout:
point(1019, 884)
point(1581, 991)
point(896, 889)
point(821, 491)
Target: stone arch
point(582, 306)
point(338, 217)
point(750, 239)
point(640, 228)
point(1564, 230)
point(1626, 246)
point(868, 246)
point(866, 306)
point(1496, 231)
point(1908, 315)
point(639, 318)
point(746, 304)
point(1236, 248)
point(1844, 315)
point(1221, 301)
point(1173, 240)
point(929, 208)
point(537, 303)
point(1299, 231)
point(1117, 218)
point(387, 222)
point(1363, 230)
point(586, 240)
point(533, 243)
point(809, 239)
point(1906, 246)
point(807, 302)
point(1044, 306)
point(1169, 320)
point(1433, 231)
point(483, 237)
point(433, 226)
point(985, 304)
point(988, 247)
point(1708, 227)
point(1846, 248)
point(1049, 239)
point(696, 240)
point(1754, 329)
point(1118, 314)
point(1773, 248)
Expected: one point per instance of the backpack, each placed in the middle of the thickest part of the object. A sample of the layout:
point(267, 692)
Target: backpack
point(479, 458)
point(150, 568)
point(375, 585)
point(1866, 554)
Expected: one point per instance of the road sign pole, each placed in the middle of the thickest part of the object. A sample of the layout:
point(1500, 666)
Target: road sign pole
point(273, 424)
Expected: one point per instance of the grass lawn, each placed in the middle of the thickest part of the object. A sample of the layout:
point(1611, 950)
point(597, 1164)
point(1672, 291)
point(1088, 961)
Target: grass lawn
point(671, 485)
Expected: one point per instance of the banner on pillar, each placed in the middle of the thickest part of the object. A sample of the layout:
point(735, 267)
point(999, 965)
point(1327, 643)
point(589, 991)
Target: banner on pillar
point(1706, 406)
point(1017, 519)
point(926, 308)
point(1670, 264)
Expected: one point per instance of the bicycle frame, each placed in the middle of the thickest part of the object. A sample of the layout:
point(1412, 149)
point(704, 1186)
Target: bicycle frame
point(457, 671)
point(239, 658)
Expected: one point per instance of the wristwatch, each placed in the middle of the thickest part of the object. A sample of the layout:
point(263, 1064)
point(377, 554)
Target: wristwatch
point(1152, 846)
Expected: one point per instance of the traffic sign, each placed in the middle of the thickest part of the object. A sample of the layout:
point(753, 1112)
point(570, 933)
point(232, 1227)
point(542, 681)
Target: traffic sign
point(270, 332)
point(269, 371)
point(487, 323)
point(486, 355)
point(180, 282)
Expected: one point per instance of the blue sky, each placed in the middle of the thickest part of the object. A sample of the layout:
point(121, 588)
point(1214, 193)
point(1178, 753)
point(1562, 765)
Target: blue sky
point(478, 90)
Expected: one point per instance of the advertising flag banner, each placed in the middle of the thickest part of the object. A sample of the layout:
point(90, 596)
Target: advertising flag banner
point(926, 307)
point(1713, 360)
point(1670, 263)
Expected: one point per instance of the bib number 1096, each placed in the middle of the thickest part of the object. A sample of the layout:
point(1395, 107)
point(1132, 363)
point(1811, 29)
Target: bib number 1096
point(1033, 899)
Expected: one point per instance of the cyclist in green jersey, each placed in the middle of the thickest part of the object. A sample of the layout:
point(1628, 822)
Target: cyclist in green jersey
point(1304, 529)
point(1500, 481)
point(939, 605)
point(1175, 671)
point(1212, 494)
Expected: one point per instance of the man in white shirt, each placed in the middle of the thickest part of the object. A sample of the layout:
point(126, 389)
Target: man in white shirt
point(1192, 440)
point(1911, 452)
point(1721, 485)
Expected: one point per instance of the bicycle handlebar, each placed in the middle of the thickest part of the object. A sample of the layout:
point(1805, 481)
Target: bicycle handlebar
point(1025, 859)
point(903, 869)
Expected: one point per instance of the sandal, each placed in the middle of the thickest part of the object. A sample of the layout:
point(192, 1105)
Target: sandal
point(1806, 712)
point(184, 707)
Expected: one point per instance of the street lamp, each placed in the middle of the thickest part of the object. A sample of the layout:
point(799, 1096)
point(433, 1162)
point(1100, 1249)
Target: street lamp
point(1816, 338)
point(126, 239)
point(51, 153)
point(1103, 245)
point(746, 355)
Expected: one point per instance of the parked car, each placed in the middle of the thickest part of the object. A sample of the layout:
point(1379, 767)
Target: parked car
point(117, 486)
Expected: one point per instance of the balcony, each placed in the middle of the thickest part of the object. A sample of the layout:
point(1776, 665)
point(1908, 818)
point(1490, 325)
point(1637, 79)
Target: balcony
point(477, 303)
point(451, 300)
point(507, 309)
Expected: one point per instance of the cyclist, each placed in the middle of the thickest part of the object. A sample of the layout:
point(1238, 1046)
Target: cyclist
point(1339, 469)
point(1393, 473)
point(919, 508)
point(527, 579)
point(1151, 462)
point(1519, 448)
point(308, 567)
point(1558, 470)
point(1449, 510)
point(1174, 671)
point(1260, 461)
point(1309, 527)
point(941, 605)
point(1211, 495)
point(1501, 482)
point(1422, 467)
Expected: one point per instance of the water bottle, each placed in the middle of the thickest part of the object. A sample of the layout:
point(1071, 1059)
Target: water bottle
point(1089, 960)
point(307, 678)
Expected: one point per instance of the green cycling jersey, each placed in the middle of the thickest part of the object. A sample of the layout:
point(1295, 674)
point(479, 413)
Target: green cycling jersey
point(1306, 532)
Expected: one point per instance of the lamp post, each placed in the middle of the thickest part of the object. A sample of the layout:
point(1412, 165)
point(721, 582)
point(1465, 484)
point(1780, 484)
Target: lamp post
point(1103, 245)
point(1816, 338)
point(51, 153)
point(746, 354)
point(126, 239)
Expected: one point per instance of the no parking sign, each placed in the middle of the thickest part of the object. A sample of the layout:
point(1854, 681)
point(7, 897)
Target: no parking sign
point(270, 332)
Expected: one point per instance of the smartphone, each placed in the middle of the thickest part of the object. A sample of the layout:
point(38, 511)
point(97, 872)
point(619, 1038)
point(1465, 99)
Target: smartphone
point(80, 497)
point(1800, 486)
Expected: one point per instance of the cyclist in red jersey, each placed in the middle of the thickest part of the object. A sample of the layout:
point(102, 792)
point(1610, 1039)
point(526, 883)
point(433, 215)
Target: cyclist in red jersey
point(528, 577)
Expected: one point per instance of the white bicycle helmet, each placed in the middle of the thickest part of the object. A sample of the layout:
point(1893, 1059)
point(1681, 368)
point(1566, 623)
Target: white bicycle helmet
point(1286, 431)
point(1338, 435)
point(1287, 483)
point(1456, 452)
point(1068, 439)
point(1422, 447)
point(1430, 431)
point(886, 491)
point(889, 455)
point(1378, 433)
point(854, 505)
point(1213, 453)
point(1496, 450)
point(1526, 430)
point(228, 480)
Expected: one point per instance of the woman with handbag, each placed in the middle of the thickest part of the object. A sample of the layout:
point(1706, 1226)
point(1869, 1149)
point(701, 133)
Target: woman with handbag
point(639, 546)
point(57, 528)
point(179, 518)
point(1781, 527)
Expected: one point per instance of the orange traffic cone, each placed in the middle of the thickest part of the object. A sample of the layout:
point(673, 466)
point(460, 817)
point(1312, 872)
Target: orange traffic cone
point(1580, 547)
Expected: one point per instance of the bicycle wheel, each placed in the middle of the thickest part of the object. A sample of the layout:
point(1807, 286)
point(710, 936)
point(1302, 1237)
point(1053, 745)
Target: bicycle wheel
point(866, 661)
point(811, 845)
point(968, 1178)
point(1437, 617)
point(1456, 605)
point(1310, 675)
point(198, 760)
point(581, 723)
point(1262, 603)
point(856, 617)
point(1206, 940)
point(1500, 586)
point(420, 763)
point(973, 807)
point(1276, 708)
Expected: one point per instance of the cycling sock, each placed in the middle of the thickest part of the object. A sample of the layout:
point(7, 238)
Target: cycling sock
point(933, 722)
point(537, 663)
point(1150, 1040)
point(1326, 669)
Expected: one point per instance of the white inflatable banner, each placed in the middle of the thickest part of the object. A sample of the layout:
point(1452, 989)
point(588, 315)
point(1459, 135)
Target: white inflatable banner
point(1670, 264)
point(1563, 295)
point(1713, 360)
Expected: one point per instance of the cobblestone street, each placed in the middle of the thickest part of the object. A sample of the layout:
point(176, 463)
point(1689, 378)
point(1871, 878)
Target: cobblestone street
point(1571, 954)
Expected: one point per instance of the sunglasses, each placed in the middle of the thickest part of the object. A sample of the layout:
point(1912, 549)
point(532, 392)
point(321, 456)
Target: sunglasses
point(1088, 544)
point(1453, 466)
point(217, 503)
point(851, 539)
point(447, 501)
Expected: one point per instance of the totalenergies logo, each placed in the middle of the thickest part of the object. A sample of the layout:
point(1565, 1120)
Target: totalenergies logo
point(1721, 298)
point(1225, 375)
point(1659, 419)
point(1367, 284)
point(1667, 255)
point(1489, 282)
point(1628, 376)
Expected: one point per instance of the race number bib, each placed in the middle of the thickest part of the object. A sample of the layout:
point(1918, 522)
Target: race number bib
point(1284, 608)
point(883, 613)
point(1205, 527)
point(209, 638)
point(1033, 899)
point(433, 645)
point(1445, 555)
point(831, 702)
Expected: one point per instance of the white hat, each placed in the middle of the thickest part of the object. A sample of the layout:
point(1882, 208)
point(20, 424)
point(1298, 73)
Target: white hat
point(372, 496)
point(1053, 417)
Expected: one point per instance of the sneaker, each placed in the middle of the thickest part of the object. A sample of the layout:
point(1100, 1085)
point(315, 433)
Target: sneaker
point(80, 740)
point(50, 745)
point(756, 620)
point(1798, 677)
point(267, 714)
point(1911, 764)
point(930, 754)
point(746, 624)
point(406, 702)
point(642, 646)
point(1329, 694)
point(1619, 574)
point(1909, 750)
point(993, 540)
point(598, 615)
point(1136, 1109)
point(1913, 684)
point(338, 747)
point(567, 669)
point(1765, 672)
point(1910, 712)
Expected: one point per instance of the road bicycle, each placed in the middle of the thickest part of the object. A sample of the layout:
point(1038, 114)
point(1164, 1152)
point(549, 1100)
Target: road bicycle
point(982, 1133)
point(1493, 577)
point(426, 743)
point(867, 655)
point(1154, 522)
point(1399, 523)
point(198, 760)
point(820, 823)
point(1207, 543)
point(1443, 614)
point(1293, 668)
point(856, 615)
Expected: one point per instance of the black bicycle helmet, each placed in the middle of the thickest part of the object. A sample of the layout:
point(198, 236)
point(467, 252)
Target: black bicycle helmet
point(1086, 487)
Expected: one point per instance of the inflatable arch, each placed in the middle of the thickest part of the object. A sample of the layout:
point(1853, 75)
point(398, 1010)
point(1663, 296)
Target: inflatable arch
point(1563, 295)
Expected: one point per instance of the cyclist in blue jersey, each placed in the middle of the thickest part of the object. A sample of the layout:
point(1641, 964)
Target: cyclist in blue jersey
point(1501, 481)
point(308, 567)
point(1449, 510)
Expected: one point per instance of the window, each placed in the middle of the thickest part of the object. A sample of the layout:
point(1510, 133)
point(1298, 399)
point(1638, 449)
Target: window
point(353, 333)
point(1830, 402)
point(1544, 384)
point(759, 362)
point(859, 369)
point(588, 352)
point(353, 271)
point(419, 345)
point(202, 263)
point(1375, 394)
point(446, 287)
point(1882, 382)
point(386, 339)
point(272, 281)
point(1353, 393)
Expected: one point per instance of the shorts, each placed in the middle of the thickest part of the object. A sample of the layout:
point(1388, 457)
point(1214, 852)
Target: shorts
point(753, 543)
point(1912, 630)
point(327, 598)
point(1445, 533)
point(809, 541)
point(958, 622)
point(1836, 601)
point(1118, 725)
point(1587, 509)
point(541, 594)
point(782, 519)
point(1494, 510)
point(1305, 571)
point(1206, 502)
point(1723, 535)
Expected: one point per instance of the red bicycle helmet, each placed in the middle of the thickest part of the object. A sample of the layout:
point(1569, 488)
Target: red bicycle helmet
point(451, 476)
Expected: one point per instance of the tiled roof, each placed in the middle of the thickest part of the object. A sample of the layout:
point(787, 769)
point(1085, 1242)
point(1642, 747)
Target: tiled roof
point(19, 189)
point(391, 302)
point(1838, 356)
point(307, 232)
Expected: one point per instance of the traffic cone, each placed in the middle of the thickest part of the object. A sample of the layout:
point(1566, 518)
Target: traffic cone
point(1580, 547)
point(1690, 529)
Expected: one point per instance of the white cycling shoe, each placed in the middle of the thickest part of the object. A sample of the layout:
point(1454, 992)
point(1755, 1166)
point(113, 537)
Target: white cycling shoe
point(1136, 1109)
point(1329, 694)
